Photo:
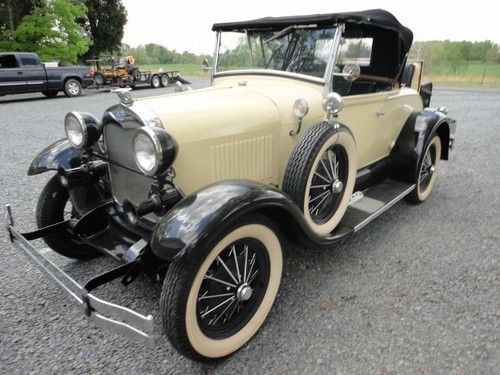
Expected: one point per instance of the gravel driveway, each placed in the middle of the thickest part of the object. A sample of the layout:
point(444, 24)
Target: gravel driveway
point(416, 291)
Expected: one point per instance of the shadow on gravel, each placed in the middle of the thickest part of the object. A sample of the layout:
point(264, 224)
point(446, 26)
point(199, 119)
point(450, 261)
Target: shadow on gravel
point(13, 99)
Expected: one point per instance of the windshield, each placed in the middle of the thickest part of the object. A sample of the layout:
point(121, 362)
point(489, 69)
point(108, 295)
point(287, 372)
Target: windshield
point(296, 50)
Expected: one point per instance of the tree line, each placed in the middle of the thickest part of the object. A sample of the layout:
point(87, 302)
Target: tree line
point(73, 31)
point(152, 53)
point(454, 55)
point(62, 30)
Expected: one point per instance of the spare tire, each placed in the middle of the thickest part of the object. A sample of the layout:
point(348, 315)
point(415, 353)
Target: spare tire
point(321, 173)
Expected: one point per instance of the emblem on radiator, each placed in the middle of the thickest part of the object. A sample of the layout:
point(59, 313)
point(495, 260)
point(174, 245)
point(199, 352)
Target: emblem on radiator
point(120, 115)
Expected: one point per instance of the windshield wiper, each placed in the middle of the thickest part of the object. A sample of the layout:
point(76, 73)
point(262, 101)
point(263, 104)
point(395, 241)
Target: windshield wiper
point(288, 29)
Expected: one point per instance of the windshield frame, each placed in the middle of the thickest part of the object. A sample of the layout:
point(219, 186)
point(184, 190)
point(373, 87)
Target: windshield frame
point(325, 80)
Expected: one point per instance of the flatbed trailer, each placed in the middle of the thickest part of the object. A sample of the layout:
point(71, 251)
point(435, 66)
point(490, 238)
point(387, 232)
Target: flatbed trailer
point(154, 79)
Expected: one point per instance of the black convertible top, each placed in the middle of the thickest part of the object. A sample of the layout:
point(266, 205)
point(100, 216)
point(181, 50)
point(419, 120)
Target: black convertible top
point(375, 18)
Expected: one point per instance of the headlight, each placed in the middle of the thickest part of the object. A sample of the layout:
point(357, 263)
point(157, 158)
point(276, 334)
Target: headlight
point(82, 129)
point(154, 150)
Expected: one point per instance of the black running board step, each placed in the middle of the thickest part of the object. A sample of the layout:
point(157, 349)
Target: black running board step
point(373, 202)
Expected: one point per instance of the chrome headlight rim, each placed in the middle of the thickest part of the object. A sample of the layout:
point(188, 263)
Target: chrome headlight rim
point(83, 127)
point(165, 150)
point(89, 126)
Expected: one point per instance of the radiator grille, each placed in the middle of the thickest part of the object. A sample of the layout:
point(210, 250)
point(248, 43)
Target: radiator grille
point(249, 159)
point(124, 183)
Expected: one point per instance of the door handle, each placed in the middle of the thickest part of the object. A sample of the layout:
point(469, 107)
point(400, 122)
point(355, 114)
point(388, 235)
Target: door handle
point(20, 73)
point(380, 112)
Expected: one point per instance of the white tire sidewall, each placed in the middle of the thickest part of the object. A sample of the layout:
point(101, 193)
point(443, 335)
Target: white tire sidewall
point(423, 194)
point(212, 348)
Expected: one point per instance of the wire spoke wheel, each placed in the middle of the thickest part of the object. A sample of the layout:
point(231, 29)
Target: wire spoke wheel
point(328, 184)
point(232, 288)
point(428, 167)
point(427, 172)
point(215, 299)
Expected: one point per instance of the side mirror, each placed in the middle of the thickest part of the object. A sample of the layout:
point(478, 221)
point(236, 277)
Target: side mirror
point(350, 72)
point(333, 104)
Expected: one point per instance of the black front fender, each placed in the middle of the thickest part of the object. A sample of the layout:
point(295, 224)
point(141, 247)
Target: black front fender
point(58, 154)
point(199, 216)
point(414, 138)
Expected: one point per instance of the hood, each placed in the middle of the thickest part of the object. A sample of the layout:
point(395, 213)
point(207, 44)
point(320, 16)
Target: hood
point(212, 113)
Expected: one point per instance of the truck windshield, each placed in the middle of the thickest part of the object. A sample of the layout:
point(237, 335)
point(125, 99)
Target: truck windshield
point(296, 50)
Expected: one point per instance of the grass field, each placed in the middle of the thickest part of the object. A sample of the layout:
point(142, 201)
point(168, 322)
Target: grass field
point(471, 74)
point(184, 69)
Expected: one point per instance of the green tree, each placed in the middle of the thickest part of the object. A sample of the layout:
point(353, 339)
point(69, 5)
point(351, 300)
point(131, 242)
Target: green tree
point(480, 49)
point(493, 54)
point(104, 25)
point(452, 54)
point(11, 13)
point(52, 31)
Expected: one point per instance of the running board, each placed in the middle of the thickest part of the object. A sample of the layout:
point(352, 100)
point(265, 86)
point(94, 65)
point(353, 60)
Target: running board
point(372, 202)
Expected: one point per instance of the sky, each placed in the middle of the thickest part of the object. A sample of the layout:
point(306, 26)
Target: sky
point(187, 25)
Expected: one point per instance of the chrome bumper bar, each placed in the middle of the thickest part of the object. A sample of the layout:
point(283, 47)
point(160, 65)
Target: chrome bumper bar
point(105, 314)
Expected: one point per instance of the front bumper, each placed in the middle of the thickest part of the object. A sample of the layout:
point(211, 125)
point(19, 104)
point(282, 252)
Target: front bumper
point(105, 314)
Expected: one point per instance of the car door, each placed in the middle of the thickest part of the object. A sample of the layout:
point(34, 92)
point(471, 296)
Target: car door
point(12, 78)
point(34, 72)
point(364, 114)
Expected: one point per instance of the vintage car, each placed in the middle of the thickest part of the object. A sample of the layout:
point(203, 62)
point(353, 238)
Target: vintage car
point(312, 127)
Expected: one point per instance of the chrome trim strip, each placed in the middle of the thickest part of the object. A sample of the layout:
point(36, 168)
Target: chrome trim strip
point(35, 82)
point(137, 327)
point(13, 83)
point(270, 72)
point(383, 209)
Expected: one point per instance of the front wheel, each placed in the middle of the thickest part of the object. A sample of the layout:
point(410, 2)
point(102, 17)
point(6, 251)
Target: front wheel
point(53, 207)
point(217, 297)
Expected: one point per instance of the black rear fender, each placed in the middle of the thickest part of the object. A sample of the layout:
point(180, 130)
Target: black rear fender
point(417, 132)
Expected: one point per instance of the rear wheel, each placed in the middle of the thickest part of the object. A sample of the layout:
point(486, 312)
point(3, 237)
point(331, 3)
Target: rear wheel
point(53, 207)
point(427, 172)
point(165, 80)
point(72, 88)
point(217, 297)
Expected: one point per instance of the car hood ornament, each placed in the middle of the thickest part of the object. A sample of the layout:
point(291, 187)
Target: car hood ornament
point(124, 95)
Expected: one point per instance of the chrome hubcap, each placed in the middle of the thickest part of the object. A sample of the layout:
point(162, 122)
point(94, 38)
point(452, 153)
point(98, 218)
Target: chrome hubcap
point(73, 88)
point(337, 186)
point(244, 292)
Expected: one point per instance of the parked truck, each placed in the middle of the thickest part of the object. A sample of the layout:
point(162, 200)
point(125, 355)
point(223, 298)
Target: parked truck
point(24, 72)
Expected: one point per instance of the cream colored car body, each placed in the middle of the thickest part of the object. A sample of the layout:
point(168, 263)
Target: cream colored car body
point(240, 126)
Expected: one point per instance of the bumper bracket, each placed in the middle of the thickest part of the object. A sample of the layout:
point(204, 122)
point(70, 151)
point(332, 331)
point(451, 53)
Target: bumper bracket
point(120, 319)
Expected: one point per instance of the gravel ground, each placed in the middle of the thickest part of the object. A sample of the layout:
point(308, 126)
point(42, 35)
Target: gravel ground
point(416, 291)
